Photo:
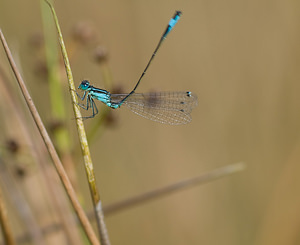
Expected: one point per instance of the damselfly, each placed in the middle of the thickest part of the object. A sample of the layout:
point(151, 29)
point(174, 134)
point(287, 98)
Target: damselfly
point(164, 107)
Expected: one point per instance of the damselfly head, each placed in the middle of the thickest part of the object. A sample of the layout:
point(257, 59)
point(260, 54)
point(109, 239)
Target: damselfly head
point(84, 85)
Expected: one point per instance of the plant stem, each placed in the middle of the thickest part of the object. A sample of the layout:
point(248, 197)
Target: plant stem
point(83, 139)
point(58, 165)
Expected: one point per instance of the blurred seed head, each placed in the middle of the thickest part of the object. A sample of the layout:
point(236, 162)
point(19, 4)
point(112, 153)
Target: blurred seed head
point(41, 69)
point(111, 120)
point(20, 171)
point(100, 54)
point(118, 89)
point(55, 125)
point(83, 32)
point(12, 145)
point(36, 40)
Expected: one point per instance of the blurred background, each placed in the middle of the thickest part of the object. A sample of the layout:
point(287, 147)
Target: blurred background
point(241, 58)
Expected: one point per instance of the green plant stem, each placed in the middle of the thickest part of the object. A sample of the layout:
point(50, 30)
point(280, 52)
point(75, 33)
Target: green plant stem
point(58, 111)
point(83, 139)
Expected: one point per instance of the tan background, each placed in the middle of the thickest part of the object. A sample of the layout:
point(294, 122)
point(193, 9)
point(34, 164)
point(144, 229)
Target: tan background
point(242, 59)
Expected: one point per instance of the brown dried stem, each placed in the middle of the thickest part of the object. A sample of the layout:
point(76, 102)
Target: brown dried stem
point(57, 163)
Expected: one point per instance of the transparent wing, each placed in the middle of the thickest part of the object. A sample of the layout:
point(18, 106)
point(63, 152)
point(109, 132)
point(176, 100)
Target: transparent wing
point(165, 107)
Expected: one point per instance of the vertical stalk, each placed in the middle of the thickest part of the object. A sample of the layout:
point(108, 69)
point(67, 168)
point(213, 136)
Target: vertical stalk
point(83, 140)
